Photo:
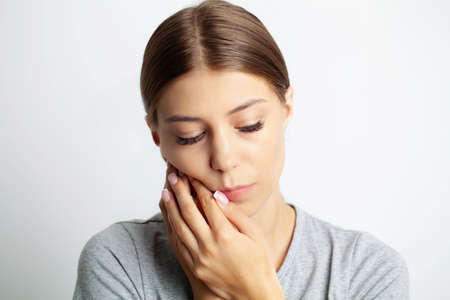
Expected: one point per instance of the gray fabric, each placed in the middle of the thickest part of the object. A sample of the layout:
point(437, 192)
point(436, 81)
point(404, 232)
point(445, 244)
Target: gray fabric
point(133, 260)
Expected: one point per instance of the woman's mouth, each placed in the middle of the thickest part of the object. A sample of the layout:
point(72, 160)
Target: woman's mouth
point(237, 193)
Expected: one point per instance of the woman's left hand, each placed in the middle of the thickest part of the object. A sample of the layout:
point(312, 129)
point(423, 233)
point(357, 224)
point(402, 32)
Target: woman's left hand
point(229, 253)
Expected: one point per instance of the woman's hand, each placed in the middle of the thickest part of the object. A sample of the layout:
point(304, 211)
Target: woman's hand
point(199, 289)
point(224, 249)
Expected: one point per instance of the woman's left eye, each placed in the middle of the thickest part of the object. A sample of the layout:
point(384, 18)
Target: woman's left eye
point(189, 141)
point(255, 127)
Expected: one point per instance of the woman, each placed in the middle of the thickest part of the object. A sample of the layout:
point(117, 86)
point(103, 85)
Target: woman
point(217, 95)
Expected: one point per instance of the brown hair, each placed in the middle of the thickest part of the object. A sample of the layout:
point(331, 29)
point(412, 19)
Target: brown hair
point(214, 34)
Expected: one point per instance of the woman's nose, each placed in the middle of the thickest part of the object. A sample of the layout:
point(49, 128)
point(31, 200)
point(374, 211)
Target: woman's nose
point(223, 156)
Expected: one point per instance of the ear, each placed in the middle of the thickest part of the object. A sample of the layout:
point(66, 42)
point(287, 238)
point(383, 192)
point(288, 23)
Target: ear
point(153, 129)
point(289, 95)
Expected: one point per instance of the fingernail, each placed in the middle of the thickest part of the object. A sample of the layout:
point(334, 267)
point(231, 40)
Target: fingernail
point(172, 178)
point(165, 195)
point(221, 198)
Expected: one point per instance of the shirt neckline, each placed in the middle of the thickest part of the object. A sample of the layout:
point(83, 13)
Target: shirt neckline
point(291, 254)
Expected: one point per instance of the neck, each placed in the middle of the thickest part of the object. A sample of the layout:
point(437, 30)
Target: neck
point(276, 219)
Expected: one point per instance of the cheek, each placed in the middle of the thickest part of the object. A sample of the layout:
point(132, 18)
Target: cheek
point(272, 155)
point(185, 160)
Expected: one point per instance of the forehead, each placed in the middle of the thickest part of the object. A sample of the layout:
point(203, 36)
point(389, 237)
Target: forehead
point(203, 91)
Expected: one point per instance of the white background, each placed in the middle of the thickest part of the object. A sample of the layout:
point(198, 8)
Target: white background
point(367, 148)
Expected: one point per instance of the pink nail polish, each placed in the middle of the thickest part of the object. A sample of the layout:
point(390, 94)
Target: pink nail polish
point(165, 195)
point(221, 198)
point(172, 178)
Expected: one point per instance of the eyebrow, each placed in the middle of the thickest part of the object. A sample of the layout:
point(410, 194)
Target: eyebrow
point(248, 103)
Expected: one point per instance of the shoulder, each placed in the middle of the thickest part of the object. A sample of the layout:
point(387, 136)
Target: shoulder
point(110, 262)
point(378, 270)
point(123, 236)
point(371, 267)
point(325, 235)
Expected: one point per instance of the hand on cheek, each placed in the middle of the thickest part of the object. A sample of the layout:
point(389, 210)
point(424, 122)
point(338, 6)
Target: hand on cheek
point(199, 289)
point(214, 245)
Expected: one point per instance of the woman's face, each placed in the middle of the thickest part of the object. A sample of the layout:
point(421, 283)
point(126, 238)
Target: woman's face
point(207, 131)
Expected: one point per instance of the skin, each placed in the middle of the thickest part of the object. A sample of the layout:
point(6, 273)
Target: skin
point(226, 156)
point(200, 290)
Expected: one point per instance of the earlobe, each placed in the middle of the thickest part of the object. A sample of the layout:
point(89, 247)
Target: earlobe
point(153, 130)
point(155, 138)
point(147, 120)
point(289, 95)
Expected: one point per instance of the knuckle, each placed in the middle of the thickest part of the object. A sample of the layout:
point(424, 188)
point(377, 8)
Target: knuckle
point(223, 237)
point(200, 267)
point(209, 251)
point(190, 219)
point(188, 211)
point(179, 229)
point(198, 271)
point(201, 261)
point(184, 231)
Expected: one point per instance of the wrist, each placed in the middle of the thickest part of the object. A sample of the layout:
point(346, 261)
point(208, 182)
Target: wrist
point(270, 292)
point(269, 289)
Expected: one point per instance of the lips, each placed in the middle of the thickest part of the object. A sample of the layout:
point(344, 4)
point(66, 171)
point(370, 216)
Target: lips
point(237, 193)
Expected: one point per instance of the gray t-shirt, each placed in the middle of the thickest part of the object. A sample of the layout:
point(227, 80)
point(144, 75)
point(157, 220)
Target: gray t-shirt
point(133, 260)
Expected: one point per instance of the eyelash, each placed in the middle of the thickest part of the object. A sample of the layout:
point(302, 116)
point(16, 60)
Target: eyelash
point(247, 129)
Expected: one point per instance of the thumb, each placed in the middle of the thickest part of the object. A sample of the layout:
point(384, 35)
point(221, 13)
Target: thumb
point(236, 216)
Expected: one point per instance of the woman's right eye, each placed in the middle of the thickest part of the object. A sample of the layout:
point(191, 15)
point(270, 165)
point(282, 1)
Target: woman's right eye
point(189, 141)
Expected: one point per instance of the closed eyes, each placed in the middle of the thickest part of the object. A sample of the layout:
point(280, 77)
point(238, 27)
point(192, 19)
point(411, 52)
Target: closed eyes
point(247, 129)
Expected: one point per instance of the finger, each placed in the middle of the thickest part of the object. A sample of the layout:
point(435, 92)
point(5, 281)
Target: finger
point(189, 210)
point(182, 253)
point(164, 215)
point(194, 195)
point(161, 202)
point(242, 222)
point(216, 219)
point(170, 168)
point(179, 227)
point(178, 246)
point(186, 258)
